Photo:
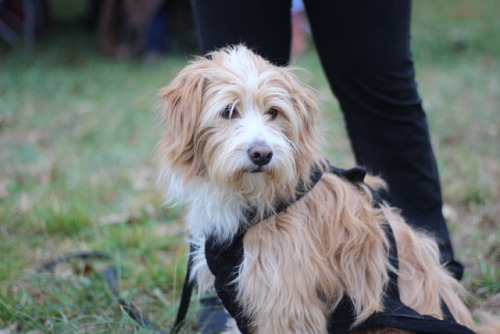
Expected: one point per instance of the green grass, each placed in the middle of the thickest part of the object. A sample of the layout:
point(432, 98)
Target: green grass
point(77, 139)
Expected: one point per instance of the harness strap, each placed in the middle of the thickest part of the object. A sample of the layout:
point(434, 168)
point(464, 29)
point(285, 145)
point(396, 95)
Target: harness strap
point(300, 191)
point(187, 291)
point(392, 287)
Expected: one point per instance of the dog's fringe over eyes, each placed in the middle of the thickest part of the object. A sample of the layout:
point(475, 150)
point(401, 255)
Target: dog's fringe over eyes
point(241, 135)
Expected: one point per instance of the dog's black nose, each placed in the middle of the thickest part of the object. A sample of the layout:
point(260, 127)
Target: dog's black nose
point(260, 153)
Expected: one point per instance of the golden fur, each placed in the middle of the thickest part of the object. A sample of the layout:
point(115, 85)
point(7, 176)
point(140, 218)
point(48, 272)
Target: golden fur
point(297, 264)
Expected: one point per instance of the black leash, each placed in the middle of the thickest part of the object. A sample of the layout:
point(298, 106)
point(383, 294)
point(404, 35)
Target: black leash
point(110, 277)
point(187, 291)
point(131, 310)
point(50, 265)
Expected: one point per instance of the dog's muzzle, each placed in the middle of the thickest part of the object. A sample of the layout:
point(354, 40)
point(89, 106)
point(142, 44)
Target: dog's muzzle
point(260, 153)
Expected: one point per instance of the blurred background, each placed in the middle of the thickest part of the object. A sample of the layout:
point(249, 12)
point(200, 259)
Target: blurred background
point(79, 122)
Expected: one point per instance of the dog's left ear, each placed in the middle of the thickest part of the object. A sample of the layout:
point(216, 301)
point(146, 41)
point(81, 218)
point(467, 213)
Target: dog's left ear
point(182, 108)
point(304, 102)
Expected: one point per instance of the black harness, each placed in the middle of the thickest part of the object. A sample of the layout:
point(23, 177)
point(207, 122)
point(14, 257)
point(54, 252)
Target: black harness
point(224, 260)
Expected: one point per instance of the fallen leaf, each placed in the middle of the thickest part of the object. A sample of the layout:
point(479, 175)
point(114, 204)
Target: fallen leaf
point(9, 330)
point(4, 192)
point(25, 202)
point(115, 218)
point(170, 229)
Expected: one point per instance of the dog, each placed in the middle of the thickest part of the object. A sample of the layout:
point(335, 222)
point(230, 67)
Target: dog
point(297, 242)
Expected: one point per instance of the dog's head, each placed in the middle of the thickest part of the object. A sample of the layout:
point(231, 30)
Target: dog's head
point(240, 123)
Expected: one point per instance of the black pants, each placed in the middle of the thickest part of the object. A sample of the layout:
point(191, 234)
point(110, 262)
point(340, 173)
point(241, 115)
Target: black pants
point(364, 47)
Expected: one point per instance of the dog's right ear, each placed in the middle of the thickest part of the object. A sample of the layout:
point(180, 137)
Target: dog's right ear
point(182, 104)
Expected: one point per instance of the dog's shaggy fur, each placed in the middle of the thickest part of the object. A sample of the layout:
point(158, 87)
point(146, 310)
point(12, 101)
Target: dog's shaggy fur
point(242, 135)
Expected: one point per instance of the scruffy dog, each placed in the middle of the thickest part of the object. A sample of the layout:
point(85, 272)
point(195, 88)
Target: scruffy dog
point(290, 244)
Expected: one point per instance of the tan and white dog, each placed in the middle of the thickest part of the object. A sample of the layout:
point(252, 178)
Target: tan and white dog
point(241, 135)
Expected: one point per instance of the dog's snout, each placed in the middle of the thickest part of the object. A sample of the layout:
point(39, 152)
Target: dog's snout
point(260, 153)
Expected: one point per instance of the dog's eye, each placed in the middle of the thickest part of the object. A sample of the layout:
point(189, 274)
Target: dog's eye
point(229, 112)
point(273, 113)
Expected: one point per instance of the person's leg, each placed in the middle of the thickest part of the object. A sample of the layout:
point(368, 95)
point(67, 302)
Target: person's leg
point(262, 25)
point(364, 48)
